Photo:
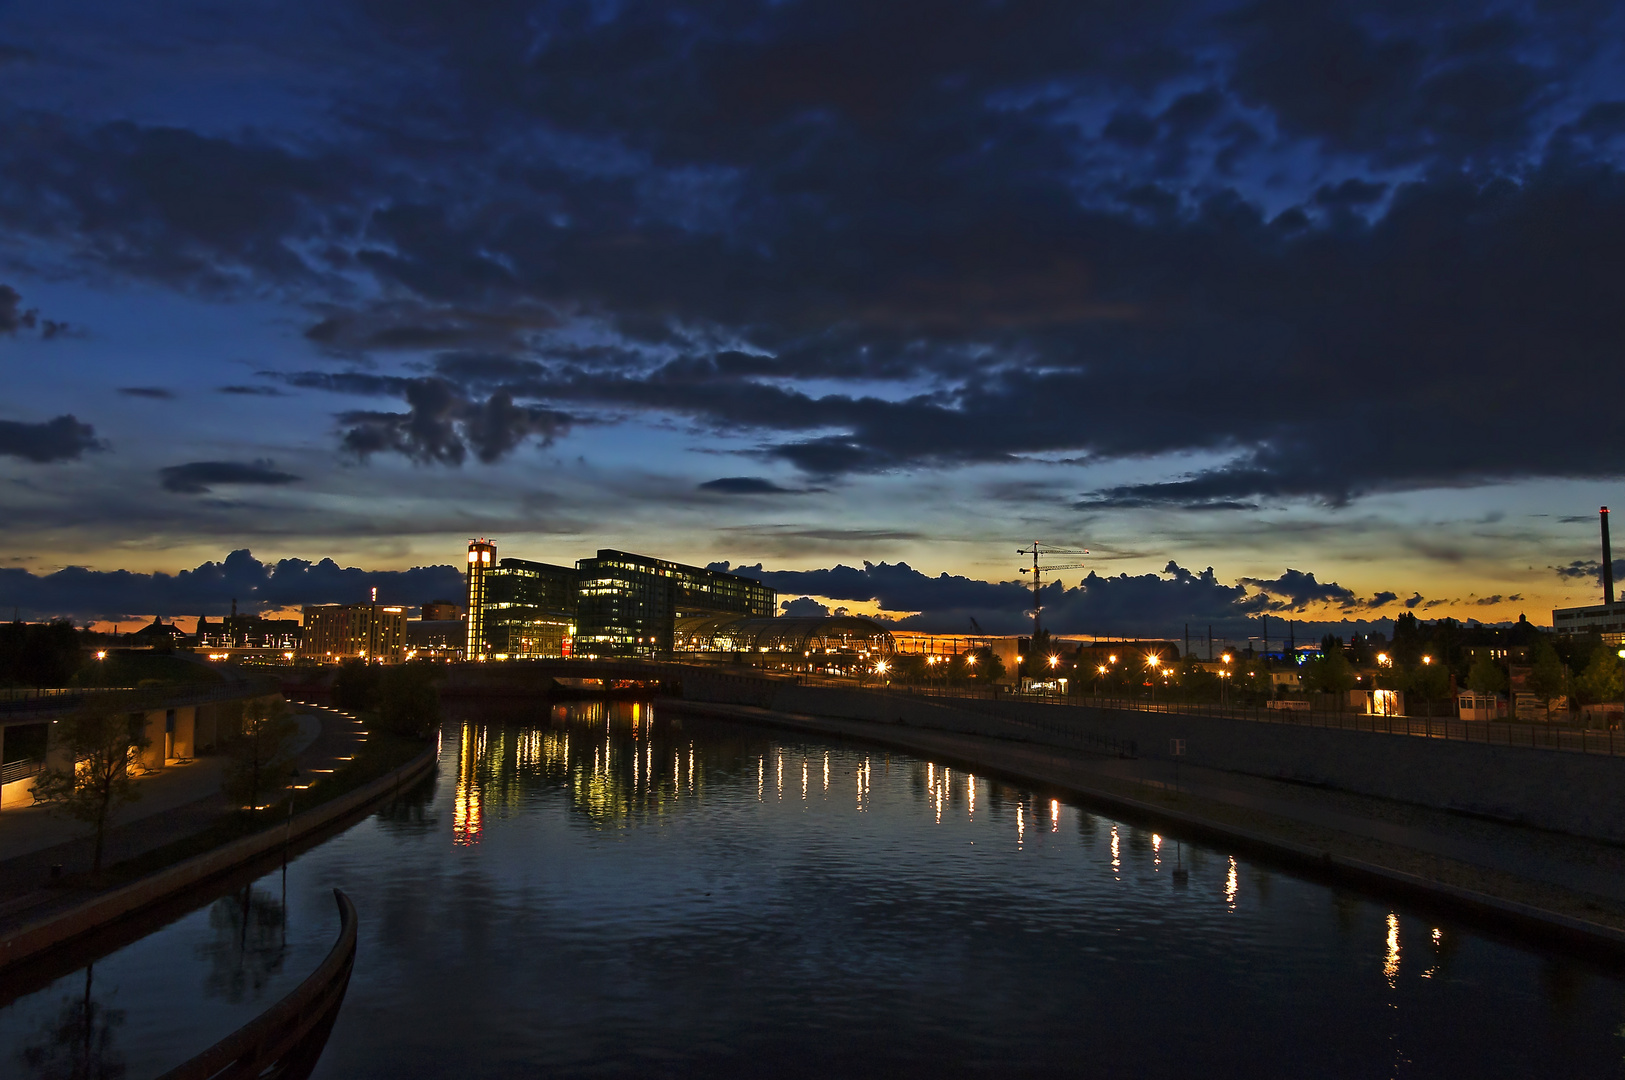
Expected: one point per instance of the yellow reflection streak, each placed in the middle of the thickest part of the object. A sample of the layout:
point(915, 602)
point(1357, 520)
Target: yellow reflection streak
point(1390, 964)
point(826, 770)
point(761, 777)
point(467, 817)
point(779, 762)
point(970, 796)
point(1232, 884)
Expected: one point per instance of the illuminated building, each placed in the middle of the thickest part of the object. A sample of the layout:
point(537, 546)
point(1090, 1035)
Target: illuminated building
point(481, 555)
point(628, 605)
point(529, 610)
point(371, 632)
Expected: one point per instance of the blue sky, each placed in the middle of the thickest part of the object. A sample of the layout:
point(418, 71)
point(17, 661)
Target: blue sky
point(1256, 287)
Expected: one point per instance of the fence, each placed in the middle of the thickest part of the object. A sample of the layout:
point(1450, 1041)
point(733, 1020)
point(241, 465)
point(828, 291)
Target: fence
point(1490, 732)
point(56, 702)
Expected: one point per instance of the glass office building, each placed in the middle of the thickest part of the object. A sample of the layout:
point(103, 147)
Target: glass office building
point(628, 605)
point(529, 610)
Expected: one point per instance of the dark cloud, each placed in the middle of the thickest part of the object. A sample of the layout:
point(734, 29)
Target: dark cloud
point(251, 391)
point(1046, 221)
point(747, 485)
point(61, 439)
point(13, 316)
point(1295, 590)
point(1145, 604)
point(443, 426)
point(157, 393)
point(209, 589)
point(1381, 599)
point(804, 606)
point(1589, 569)
point(199, 477)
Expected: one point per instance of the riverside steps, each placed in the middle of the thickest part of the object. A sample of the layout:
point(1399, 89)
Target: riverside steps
point(1529, 835)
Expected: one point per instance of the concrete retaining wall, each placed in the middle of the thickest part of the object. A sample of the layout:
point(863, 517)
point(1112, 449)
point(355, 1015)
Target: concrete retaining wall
point(1582, 794)
point(66, 925)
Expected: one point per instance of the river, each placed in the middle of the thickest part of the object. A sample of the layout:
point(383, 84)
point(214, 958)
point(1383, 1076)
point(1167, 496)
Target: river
point(598, 890)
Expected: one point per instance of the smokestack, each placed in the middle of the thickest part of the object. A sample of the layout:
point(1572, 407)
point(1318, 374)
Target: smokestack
point(1607, 562)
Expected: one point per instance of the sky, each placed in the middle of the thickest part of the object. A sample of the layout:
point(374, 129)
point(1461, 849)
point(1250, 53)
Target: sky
point(1309, 310)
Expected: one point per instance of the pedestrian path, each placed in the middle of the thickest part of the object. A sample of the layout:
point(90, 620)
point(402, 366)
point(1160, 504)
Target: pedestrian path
point(176, 803)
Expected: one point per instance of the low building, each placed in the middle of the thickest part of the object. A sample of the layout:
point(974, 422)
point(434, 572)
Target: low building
point(830, 643)
point(628, 605)
point(442, 611)
point(1471, 705)
point(434, 639)
point(1607, 620)
point(337, 632)
point(530, 610)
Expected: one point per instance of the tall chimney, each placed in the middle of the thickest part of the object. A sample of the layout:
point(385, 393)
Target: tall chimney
point(1607, 562)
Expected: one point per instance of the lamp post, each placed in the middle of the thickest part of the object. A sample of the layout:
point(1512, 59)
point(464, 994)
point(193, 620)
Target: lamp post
point(1153, 661)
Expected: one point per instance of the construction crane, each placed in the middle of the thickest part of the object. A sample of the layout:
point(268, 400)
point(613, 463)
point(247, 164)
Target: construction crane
point(1038, 569)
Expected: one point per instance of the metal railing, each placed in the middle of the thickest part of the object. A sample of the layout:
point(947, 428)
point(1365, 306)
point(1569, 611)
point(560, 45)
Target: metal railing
point(290, 1035)
point(1514, 733)
point(57, 702)
point(21, 769)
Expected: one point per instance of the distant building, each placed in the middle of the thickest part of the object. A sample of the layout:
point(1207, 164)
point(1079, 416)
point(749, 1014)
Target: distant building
point(482, 555)
point(335, 632)
point(530, 610)
point(1608, 620)
point(442, 611)
point(435, 639)
point(628, 605)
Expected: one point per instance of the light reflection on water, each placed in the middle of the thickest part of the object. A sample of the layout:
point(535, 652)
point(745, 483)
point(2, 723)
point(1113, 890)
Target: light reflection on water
point(607, 891)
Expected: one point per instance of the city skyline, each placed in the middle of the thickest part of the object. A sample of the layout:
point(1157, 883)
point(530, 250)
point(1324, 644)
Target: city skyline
point(1323, 299)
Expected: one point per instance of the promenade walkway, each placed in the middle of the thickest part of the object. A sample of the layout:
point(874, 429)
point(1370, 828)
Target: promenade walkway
point(176, 803)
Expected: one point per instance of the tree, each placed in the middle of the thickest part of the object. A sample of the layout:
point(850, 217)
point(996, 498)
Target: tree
point(1548, 678)
point(39, 654)
point(355, 688)
point(1328, 673)
point(1429, 682)
point(1486, 676)
point(104, 740)
point(259, 759)
point(408, 703)
point(1600, 681)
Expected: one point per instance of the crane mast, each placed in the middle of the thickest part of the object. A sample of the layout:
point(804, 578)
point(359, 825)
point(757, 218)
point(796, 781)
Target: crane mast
point(1038, 569)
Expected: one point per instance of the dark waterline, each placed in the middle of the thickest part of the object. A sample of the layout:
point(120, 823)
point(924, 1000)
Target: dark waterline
point(604, 892)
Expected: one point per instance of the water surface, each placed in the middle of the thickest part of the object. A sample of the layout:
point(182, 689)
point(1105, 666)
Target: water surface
point(601, 891)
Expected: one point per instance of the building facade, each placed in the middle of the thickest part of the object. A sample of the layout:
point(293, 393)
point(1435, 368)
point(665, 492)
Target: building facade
point(628, 605)
point(482, 556)
point(336, 632)
point(530, 610)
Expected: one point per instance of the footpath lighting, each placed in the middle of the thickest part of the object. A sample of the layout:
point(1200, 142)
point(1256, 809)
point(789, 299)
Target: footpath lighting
point(1427, 659)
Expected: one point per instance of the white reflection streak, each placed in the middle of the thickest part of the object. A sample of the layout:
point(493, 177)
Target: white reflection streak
point(1055, 815)
point(826, 770)
point(761, 777)
point(1156, 850)
point(1390, 964)
point(1021, 825)
point(691, 768)
point(970, 797)
point(677, 770)
point(803, 779)
point(1429, 973)
point(1117, 851)
point(1231, 885)
point(779, 767)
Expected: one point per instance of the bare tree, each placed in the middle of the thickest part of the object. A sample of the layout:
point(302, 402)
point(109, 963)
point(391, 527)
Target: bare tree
point(104, 742)
point(259, 758)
